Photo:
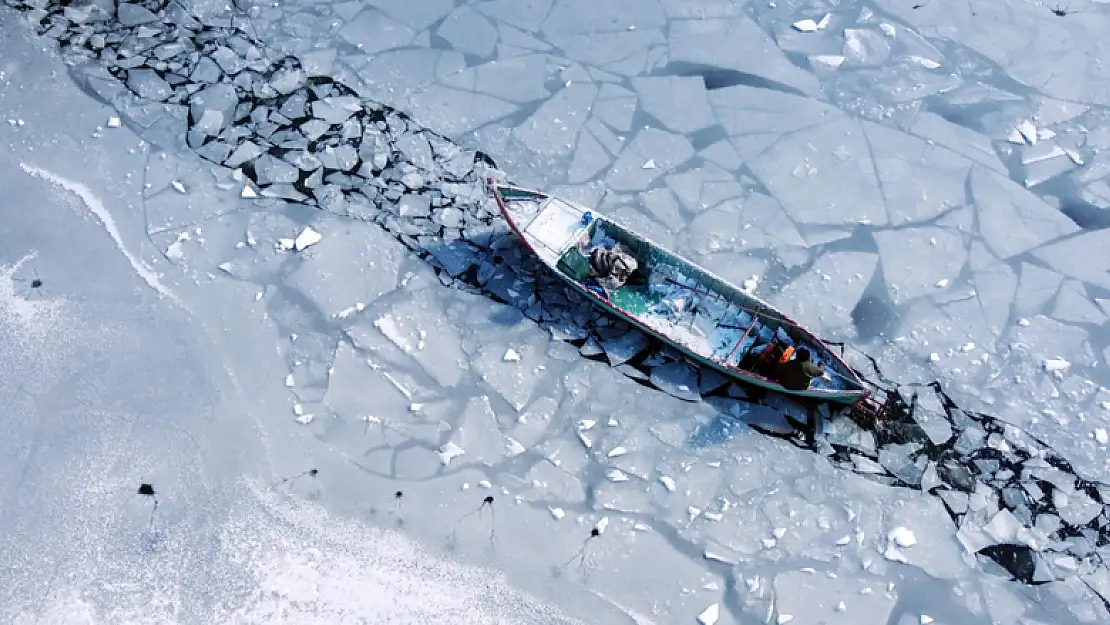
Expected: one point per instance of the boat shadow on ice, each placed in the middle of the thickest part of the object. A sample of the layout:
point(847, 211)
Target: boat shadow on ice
point(181, 84)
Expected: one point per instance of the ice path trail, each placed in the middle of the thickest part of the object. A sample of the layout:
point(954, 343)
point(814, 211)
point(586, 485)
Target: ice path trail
point(181, 83)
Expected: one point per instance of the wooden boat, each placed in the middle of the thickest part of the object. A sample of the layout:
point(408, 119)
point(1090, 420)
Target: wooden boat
point(684, 305)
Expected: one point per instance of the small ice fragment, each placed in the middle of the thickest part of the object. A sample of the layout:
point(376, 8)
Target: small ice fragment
point(601, 525)
point(586, 424)
point(511, 355)
point(934, 357)
point(1028, 131)
point(1101, 436)
point(888, 30)
point(465, 486)
point(667, 482)
point(177, 186)
point(844, 540)
point(289, 381)
point(641, 527)
point(768, 543)
point(298, 409)
point(693, 512)
point(711, 586)
point(779, 532)
point(805, 26)
point(557, 513)
point(894, 555)
point(305, 419)
point(865, 591)
point(616, 475)
point(248, 192)
point(1054, 364)
point(586, 442)
point(415, 407)
point(449, 451)
point(485, 484)
point(824, 23)
point(925, 619)
point(967, 347)
point(840, 607)
point(924, 62)
point(650, 164)
point(258, 295)
point(307, 238)
point(612, 422)
point(618, 451)
point(832, 61)
point(710, 615)
point(902, 537)
point(785, 618)
point(114, 122)
point(1015, 137)
point(943, 282)
point(1023, 323)
point(513, 447)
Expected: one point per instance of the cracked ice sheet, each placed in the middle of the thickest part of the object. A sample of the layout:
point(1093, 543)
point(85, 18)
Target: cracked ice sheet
point(1061, 61)
point(823, 298)
point(736, 44)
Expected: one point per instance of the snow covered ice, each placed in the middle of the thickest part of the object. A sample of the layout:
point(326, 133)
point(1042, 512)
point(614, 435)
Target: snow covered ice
point(281, 256)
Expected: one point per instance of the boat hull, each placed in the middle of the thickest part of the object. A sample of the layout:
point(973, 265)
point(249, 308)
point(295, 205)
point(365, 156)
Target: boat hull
point(825, 395)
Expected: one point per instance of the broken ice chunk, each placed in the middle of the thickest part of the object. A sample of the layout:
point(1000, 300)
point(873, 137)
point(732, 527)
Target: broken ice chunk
point(1101, 436)
point(448, 452)
point(925, 619)
point(667, 482)
point(511, 355)
point(557, 513)
point(616, 475)
point(601, 525)
point(710, 615)
point(307, 238)
point(289, 381)
point(114, 122)
point(806, 26)
point(617, 451)
point(785, 618)
point(649, 164)
point(248, 192)
point(1028, 131)
point(305, 419)
point(902, 537)
point(1054, 364)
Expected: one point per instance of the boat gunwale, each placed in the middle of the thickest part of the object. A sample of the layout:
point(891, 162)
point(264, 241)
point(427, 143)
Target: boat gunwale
point(833, 395)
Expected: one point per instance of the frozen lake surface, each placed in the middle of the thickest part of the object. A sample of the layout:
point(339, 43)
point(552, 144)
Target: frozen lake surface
point(267, 354)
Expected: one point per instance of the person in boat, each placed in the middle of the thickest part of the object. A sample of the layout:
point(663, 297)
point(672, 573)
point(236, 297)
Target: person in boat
point(612, 267)
point(797, 373)
point(767, 360)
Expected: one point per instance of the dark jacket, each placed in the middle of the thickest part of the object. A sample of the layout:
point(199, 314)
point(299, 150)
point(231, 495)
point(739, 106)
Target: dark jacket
point(796, 374)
